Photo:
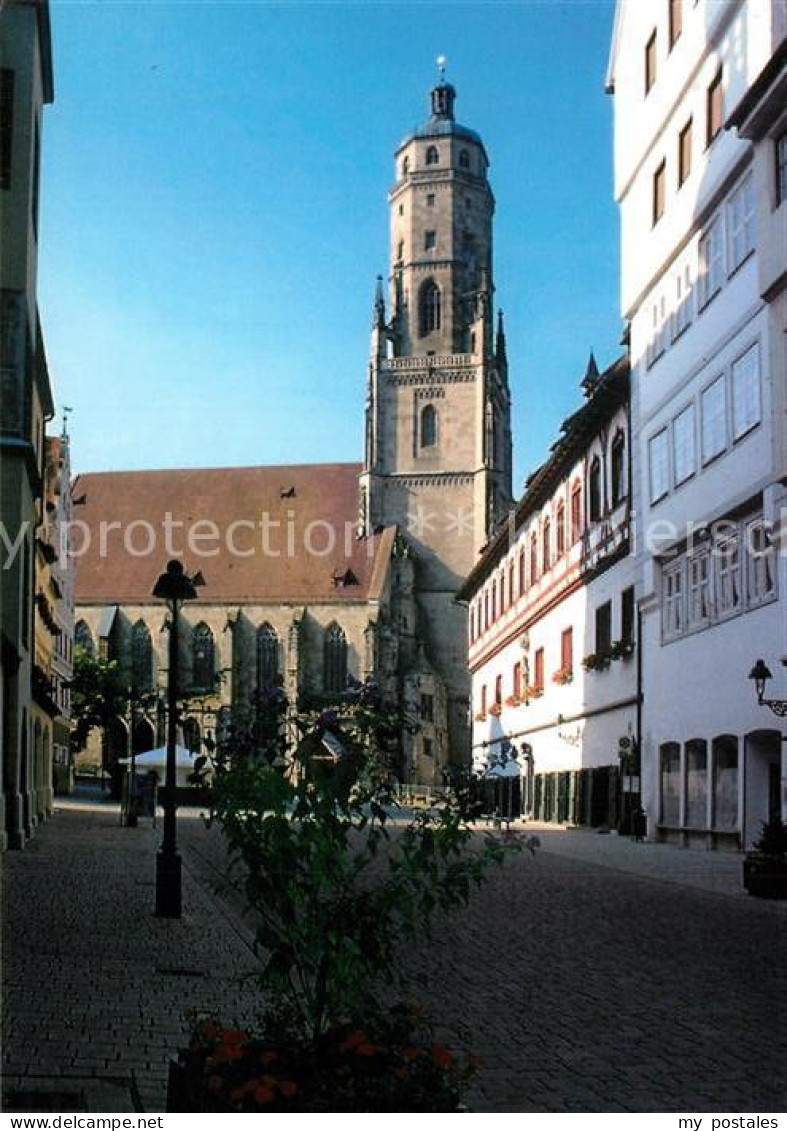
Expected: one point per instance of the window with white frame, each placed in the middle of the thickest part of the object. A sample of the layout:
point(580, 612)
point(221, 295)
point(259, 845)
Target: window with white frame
point(727, 558)
point(682, 317)
point(760, 563)
point(714, 420)
point(741, 223)
point(659, 465)
point(711, 256)
point(699, 589)
point(684, 453)
point(674, 612)
point(746, 392)
point(713, 582)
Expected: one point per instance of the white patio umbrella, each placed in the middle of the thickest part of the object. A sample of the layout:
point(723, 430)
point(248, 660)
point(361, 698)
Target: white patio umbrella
point(157, 760)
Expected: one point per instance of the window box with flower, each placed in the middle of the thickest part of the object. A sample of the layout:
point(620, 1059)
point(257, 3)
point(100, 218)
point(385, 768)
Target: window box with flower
point(597, 661)
point(622, 649)
point(563, 675)
point(496, 709)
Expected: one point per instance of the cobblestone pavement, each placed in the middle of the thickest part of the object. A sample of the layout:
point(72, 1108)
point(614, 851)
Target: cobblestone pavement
point(636, 982)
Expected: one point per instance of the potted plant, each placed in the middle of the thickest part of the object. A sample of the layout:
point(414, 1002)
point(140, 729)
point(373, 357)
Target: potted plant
point(597, 661)
point(765, 866)
point(563, 675)
point(622, 649)
point(336, 894)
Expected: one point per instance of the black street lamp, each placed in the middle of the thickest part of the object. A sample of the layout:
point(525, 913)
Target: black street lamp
point(175, 587)
point(760, 674)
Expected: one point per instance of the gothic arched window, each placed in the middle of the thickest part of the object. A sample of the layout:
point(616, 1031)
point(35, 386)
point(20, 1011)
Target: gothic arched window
point(83, 638)
point(618, 468)
point(546, 546)
point(594, 490)
point(576, 513)
point(464, 159)
point(335, 660)
point(430, 307)
point(192, 736)
point(428, 426)
point(560, 529)
point(141, 658)
point(267, 657)
point(432, 155)
point(204, 671)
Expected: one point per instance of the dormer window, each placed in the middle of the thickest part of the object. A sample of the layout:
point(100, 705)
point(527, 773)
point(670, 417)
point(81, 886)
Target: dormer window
point(432, 155)
point(464, 159)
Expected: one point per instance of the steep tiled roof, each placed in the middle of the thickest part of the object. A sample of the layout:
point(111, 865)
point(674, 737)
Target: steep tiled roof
point(250, 533)
point(605, 393)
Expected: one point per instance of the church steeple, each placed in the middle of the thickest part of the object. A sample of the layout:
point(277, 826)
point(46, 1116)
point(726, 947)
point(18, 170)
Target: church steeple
point(441, 236)
point(437, 462)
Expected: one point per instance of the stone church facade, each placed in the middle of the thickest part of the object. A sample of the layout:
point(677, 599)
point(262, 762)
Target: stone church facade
point(317, 573)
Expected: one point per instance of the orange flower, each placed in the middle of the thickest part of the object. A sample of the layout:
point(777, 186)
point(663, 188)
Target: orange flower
point(234, 1037)
point(264, 1094)
point(367, 1049)
point(442, 1056)
point(227, 1052)
point(288, 1087)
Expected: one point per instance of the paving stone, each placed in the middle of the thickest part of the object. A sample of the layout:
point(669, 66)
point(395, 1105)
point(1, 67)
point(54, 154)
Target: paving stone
point(597, 976)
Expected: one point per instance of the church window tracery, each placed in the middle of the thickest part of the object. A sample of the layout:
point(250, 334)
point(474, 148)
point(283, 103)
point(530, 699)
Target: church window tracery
point(430, 307)
point(335, 660)
point(141, 658)
point(428, 426)
point(267, 657)
point(204, 669)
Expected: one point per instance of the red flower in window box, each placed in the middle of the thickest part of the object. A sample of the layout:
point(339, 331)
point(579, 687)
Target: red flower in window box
point(563, 675)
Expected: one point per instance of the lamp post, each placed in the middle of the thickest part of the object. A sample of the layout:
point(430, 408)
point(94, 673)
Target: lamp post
point(760, 674)
point(175, 587)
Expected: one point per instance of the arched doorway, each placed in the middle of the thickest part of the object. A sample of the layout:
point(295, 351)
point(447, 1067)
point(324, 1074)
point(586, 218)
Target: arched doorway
point(762, 800)
point(143, 737)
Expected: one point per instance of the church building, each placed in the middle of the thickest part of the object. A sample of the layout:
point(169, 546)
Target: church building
point(316, 574)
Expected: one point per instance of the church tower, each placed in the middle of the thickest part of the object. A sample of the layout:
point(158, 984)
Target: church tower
point(438, 432)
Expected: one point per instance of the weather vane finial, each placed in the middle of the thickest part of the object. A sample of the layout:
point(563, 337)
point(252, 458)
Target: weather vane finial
point(442, 63)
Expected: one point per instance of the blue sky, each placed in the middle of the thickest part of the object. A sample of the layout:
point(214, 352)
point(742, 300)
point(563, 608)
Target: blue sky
point(215, 214)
